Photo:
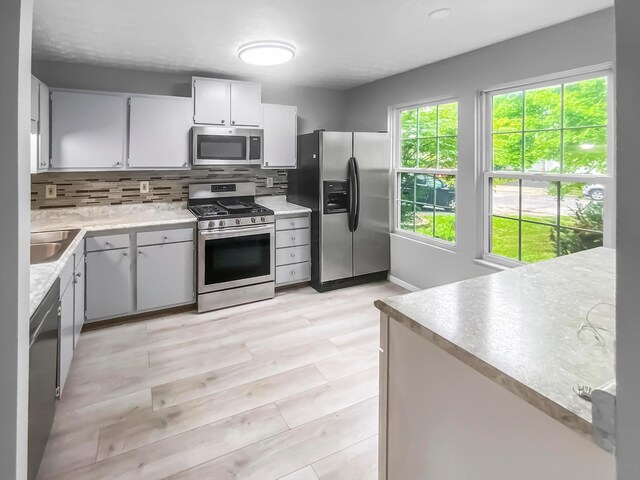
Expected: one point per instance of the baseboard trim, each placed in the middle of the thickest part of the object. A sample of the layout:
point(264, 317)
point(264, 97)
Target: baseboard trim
point(403, 284)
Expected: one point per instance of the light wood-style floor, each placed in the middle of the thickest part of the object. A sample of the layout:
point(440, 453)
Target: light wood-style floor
point(281, 389)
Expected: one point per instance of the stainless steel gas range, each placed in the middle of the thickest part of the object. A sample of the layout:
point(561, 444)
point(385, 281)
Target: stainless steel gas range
point(236, 245)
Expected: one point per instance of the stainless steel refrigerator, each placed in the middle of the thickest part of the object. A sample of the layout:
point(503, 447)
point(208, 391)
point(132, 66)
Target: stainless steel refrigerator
point(343, 177)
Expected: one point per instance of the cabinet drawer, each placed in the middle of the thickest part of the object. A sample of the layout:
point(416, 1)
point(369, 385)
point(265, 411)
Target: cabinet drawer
point(286, 256)
point(298, 272)
point(292, 238)
point(165, 236)
point(107, 242)
point(292, 223)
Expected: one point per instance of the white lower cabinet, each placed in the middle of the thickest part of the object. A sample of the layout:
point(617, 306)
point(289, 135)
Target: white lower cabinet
point(65, 345)
point(293, 253)
point(78, 294)
point(139, 271)
point(109, 284)
point(165, 275)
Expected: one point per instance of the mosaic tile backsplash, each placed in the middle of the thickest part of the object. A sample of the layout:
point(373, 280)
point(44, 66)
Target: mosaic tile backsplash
point(76, 189)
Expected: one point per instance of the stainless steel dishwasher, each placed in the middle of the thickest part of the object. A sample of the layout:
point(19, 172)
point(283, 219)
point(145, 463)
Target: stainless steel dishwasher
point(43, 375)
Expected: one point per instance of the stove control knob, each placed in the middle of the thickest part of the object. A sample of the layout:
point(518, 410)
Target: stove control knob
point(212, 224)
point(253, 219)
point(263, 219)
point(238, 221)
point(221, 223)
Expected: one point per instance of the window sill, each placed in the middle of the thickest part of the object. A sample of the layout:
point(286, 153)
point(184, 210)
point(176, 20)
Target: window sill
point(432, 242)
point(493, 265)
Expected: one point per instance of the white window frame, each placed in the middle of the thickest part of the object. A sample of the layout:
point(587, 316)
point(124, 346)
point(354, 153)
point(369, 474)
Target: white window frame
point(485, 123)
point(397, 169)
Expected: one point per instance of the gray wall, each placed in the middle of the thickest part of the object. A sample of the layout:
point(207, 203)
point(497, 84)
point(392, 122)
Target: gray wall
point(15, 81)
point(582, 42)
point(628, 233)
point(317, 107)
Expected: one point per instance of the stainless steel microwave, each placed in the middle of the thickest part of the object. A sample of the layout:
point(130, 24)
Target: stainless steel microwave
point(225, 146)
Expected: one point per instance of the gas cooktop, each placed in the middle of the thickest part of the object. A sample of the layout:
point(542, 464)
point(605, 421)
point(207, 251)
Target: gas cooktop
point(227, 205)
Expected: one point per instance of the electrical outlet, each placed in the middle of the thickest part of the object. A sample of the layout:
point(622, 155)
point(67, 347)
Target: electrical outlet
point(269, 182)
point(144, 187)
point(50, 191)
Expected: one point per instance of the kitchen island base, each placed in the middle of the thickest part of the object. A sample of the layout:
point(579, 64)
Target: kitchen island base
point(441, 419)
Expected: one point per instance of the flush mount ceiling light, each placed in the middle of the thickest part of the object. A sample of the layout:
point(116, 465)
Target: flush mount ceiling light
point(266, 53)
point(440, 13)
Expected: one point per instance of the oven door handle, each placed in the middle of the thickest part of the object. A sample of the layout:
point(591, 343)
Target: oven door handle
point(237, 232)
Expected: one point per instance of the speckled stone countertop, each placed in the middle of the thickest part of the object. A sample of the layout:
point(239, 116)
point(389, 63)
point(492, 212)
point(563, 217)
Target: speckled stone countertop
point(100, 218)
point(111, 217)
point(280, 206)
point(520, 329)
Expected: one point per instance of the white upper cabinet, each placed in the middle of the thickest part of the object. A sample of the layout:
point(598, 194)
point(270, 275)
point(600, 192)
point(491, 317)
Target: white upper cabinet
point(35, 98)
point(44, 129)
point(226, 103)
point(211, 101)
point(88, 130)
point(39, 126)
point(245, 104)
point(159, 132)
point(280, 135)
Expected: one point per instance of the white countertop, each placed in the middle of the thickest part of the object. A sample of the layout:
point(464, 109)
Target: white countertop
point(104, 218)
point(520, 328)
point(280, 206)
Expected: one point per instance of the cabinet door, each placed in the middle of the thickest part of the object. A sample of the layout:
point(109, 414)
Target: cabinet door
point(211, 100)
point(246, 101)
point(35, 98)
point(44, 129)
point(165, 275)
point(88, 130)
point(78, 299)
point(280, 134)
point(109, 287)
point(66, 330)
point(159, 132)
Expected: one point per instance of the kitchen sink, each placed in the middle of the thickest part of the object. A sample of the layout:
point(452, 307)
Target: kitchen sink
point(44, 252)
point(57, 236)
point(49, 246)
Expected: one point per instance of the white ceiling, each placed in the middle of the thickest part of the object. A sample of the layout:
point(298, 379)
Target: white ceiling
point(340, 43)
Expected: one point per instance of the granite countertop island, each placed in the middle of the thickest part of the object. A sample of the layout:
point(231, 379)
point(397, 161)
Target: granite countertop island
point(522, 329)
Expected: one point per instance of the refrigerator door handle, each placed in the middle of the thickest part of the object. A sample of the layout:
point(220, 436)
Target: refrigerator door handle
point(353, 193)
point(356, 170)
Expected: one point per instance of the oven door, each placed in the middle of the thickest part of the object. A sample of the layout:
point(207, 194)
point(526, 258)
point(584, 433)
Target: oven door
point(235, 257)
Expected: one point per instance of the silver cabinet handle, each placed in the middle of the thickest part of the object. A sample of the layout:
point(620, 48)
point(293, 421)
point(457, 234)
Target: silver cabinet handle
point(293, 238)
point(222, 121)
point(293, 272)
point(125, 254)
point(293, 255)
point(165, 238)
point(139, 252)
point(108, 244)
point(293, 224)
point(118, 164)
point(233, 122)
point(43, 164)
point(79, 274)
